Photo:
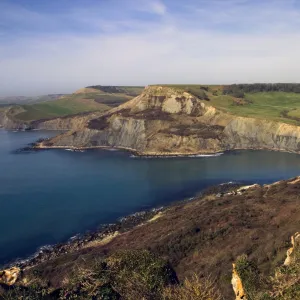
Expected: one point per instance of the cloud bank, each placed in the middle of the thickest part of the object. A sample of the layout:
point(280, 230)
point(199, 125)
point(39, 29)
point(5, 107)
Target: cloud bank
point(58, 48)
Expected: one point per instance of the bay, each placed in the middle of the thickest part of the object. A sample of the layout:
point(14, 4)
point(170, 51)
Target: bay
point(48, 196)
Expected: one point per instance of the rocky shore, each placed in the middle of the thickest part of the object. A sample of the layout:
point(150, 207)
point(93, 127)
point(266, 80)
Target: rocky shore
point(80, 241)
point(106, 231)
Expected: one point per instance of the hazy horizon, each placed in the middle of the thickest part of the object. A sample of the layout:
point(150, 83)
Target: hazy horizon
point(53, 47)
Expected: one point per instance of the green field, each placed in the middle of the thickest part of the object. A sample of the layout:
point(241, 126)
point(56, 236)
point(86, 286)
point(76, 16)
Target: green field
point(276, 106)
point(62, 107)
point(79, 102)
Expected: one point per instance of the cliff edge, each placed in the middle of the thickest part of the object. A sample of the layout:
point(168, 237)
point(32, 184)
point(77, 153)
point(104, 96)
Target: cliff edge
point(167, 121)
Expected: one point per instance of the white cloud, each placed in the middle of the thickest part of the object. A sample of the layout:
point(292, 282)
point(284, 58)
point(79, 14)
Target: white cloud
point(178, 48)
point(63, 65)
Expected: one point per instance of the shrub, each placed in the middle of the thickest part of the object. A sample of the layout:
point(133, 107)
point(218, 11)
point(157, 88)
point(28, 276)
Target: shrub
point(193, 289)
point(249, 274)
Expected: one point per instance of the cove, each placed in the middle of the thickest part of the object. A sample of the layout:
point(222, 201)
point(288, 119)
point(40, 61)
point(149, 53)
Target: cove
point(48, 196)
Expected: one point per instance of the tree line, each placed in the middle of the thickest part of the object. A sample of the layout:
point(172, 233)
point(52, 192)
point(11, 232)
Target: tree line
point(239, 90)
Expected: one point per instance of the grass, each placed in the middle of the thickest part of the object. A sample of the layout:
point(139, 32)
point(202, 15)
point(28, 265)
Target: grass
point(274, 106)
point(62, 107)
point(76, 103)
point(264, 105)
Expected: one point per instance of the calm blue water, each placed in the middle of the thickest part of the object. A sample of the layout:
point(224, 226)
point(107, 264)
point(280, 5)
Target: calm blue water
point(48, 196)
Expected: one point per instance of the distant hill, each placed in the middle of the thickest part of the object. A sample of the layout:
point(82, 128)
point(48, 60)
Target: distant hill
point(88, 99)
point(28, 99)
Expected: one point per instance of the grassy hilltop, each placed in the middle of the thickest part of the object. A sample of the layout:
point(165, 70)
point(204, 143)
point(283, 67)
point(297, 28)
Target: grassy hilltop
point(277, 102)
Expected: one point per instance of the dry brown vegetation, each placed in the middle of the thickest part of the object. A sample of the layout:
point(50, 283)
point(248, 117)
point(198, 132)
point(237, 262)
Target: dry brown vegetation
point(204, 236)
point(193, 289)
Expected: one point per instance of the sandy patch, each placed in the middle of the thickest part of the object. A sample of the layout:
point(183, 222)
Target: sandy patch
point(103, 241)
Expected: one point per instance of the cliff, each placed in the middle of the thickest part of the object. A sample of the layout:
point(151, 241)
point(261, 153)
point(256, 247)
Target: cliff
point(74, 122)
point(8, 121)
point(167, 121)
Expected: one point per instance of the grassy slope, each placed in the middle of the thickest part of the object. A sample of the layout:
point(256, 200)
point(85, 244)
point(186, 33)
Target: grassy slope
point(265, 105)
point(77, 103)
point(65, 106)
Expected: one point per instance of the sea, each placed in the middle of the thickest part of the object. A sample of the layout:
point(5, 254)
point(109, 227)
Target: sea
point(48, 196)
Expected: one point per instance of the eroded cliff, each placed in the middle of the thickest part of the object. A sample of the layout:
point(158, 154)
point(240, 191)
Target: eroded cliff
point(166, 121)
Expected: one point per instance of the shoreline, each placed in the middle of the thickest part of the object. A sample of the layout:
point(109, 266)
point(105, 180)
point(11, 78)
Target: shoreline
point(131, 150)
point(37, 145)
point(136, 153)
point(106, 231)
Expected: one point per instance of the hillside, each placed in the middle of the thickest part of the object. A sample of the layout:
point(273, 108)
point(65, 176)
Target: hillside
point(14, 100)
point(85, 100)
point(275, 102)
point(167, 120)
point(192, 242)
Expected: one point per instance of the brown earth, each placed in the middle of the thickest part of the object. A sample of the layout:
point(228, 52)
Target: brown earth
point(204, 236)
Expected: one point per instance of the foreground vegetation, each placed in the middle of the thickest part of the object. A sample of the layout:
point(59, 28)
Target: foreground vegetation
point(189, 261)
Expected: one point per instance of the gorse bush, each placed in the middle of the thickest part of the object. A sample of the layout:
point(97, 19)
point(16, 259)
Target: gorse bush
point(193, 289)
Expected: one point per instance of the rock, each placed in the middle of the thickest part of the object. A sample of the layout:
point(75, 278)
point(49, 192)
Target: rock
point(237, 285)
point(9, 276)
point(290, 254)
point(165, 121)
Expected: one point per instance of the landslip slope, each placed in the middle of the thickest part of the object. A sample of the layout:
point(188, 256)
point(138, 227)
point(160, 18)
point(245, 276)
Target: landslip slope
point(168, 121)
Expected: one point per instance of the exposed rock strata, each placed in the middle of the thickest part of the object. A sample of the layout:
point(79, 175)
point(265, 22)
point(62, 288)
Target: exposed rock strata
point(74, 122)
point(165, 121)
point(237, 285)
point(9, 276)
point(290, 255)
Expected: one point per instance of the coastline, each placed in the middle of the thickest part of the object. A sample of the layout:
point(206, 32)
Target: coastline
point(135, 153)
point(106, 232)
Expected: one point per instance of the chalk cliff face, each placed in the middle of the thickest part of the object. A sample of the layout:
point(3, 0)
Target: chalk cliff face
point(165, 121)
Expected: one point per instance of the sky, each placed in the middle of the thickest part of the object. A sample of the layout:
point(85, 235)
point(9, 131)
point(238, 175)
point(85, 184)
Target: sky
point(59, 46)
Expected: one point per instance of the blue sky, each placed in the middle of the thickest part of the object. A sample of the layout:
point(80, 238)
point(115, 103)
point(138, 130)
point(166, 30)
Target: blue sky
point(59, 46)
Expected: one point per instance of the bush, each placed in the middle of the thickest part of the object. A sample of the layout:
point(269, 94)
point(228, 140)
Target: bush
point(140, 274)
point(249, 274)
point(193, 289)
point(135, 274)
